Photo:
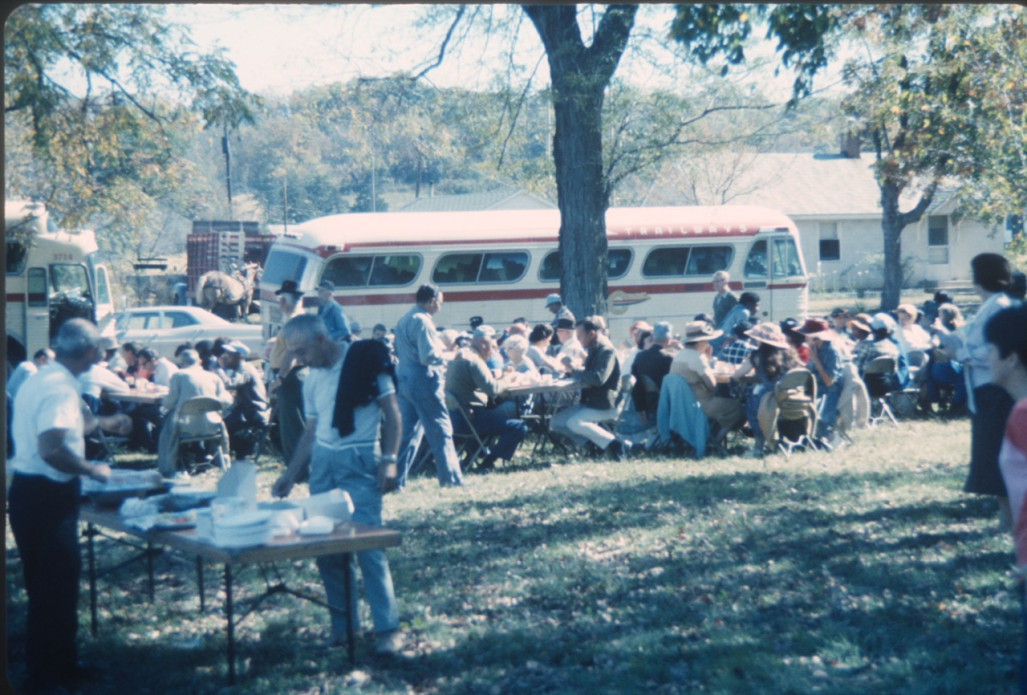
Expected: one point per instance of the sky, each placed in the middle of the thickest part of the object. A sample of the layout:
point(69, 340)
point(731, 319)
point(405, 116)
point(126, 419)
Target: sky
point(278, 48)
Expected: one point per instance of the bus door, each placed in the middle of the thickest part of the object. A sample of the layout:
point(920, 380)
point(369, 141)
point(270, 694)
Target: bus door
point(102, 295)
point(772, 265)
point(37, 310)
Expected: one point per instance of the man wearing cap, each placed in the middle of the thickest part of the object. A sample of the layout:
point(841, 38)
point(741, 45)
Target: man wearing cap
point(600, 375)
point(287, 386)
point(470, 382)
point(724, 300)
point(250, 408)
point(330, 311)
point(567, 343)
point(693, 364)
point(555, 305)
point(420, 373)
point(826, 366)
point(653, 364)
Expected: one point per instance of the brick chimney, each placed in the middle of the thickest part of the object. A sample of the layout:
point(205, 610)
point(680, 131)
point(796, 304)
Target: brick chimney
point(850, 145)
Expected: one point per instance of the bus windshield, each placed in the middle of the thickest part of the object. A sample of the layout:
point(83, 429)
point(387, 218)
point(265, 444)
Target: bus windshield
point(283, 265)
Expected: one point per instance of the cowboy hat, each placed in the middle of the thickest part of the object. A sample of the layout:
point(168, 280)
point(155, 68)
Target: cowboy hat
point(697, 331)
point(815, 327)
point(290, 287)
point(768, 333)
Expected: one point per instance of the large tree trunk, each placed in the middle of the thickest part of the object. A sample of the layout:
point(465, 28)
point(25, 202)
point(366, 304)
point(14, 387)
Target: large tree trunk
point(579, 77)
point(891, 225)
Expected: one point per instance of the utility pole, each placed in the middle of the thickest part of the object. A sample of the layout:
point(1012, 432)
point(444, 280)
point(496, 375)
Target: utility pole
point(228, 167)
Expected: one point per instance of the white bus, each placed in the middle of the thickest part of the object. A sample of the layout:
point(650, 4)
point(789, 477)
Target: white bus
point(500, 265)
point(52, 275)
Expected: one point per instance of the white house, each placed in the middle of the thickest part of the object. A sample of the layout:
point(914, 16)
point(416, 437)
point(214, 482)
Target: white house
point(834, 201)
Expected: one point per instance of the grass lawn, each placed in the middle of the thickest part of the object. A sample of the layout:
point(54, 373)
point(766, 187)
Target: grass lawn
point(860, 571)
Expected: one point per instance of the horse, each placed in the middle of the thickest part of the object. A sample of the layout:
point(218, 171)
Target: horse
point(228, 296)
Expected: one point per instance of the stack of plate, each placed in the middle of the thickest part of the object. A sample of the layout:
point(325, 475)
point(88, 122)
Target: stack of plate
point(243, 530)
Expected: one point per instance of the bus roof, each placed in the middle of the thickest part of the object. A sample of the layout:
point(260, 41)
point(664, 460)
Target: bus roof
point(342, 232)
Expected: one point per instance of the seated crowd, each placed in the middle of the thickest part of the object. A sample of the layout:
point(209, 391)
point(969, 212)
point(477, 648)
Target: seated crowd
point(719, 375)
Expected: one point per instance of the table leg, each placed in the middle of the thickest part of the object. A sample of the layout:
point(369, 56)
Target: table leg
point(350, 618)
point(149, 568)
point(199, 582)
point(231, 627)
point(90, 532)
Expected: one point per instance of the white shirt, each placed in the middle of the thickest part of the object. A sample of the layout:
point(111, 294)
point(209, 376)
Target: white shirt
point(49, 399)
point(162, 374)
point(98, 380)
point(22, 372)
point(319, 391)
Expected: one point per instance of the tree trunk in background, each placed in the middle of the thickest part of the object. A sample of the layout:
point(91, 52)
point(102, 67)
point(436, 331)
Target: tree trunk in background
point(891, 225)
point(579, 77)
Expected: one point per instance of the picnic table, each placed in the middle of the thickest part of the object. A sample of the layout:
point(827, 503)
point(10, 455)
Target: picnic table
point(152, 395)
point(346, 539)
point(546, 407)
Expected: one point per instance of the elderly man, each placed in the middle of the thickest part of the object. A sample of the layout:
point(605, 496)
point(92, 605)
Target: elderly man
point(159, 366)
point(191, 381)
point(422, 400)
point(49, 428)
point(26, 369)
point(287, 386)
point(470, 382)
point(250, 409)
point(330, 311)
point(724, 300)
point(350, 401)
point(600, 375)
point(568, 345)
point(555, 304)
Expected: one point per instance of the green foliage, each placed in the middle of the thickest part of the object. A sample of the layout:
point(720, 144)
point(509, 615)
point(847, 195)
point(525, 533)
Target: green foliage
point(861, 571)
point(99, 104)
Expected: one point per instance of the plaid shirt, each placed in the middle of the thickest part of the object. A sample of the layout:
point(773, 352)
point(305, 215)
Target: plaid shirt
point(735, 352)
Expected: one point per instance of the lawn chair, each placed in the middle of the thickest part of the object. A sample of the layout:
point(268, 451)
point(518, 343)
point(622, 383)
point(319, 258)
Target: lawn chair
point(191, 427)
point(466, 438)
point(627, 382)
point(796, 397)
point(880, 379)
point(100, 445)
point(906, 402)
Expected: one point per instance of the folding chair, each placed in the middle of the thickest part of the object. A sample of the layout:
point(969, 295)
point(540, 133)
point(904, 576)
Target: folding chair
point(796, 396)
point(469, 444)
point(627, 382)
point(192, 428)
point(101, 445)
point(879, 377)
point(906, 402)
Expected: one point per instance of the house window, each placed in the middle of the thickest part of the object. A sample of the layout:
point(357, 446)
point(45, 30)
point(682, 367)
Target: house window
point(938, 239)
point(830, 246)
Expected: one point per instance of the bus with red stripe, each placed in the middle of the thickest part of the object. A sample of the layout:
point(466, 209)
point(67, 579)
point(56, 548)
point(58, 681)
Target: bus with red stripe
point(52, 275)
point(501, 264)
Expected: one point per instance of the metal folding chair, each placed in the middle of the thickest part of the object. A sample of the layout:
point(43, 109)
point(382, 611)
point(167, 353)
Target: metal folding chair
point(187, 416)
point(796, 396)
point(879, 379)
point(469, 443)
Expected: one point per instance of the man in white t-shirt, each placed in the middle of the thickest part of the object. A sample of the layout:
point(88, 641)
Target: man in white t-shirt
point(49, 427)
point(349, 389)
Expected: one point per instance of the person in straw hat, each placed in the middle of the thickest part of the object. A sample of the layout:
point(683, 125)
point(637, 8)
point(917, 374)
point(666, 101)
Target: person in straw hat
point(768, 362)
point(693, 363)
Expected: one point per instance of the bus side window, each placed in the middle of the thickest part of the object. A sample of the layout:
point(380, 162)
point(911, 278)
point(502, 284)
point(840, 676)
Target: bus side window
point(756, 261)
point(666, 261)
point(455, 268)
point(504, 266)
point(394, 270)
point(16, 253)
point(619, 260)
point(706, 260)
point(348, 271)
point(551, 267)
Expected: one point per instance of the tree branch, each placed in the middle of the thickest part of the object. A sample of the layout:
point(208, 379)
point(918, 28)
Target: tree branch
point(445, 42)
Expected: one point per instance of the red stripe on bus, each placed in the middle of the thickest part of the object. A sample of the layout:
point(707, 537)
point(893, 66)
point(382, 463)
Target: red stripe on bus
point(455, 294)
point(15, 297)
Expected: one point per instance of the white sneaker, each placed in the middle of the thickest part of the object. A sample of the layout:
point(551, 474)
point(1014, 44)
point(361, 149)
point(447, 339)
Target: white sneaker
point(389, 643)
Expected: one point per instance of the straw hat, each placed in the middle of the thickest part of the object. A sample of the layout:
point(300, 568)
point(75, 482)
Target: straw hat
point(697, 331)
point(768, 333)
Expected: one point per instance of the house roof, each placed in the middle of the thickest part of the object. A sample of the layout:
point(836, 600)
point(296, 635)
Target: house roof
point(496, 199)
point(815, 185)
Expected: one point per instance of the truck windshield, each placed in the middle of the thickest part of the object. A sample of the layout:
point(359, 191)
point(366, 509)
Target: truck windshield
point(283, 265)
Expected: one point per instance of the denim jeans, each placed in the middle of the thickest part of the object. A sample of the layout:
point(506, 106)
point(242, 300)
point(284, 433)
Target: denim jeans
point(355, 471)
point(501, 421)
point(828, 408)
point(422, 403)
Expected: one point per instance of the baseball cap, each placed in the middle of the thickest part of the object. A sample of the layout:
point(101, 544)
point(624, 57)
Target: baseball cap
point(553, 299)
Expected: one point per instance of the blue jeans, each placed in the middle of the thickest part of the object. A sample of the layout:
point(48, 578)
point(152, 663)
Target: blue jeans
point(501, 421)
point(951, 374)
point(828, 407)
point(422, 403)
point(355, 471)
